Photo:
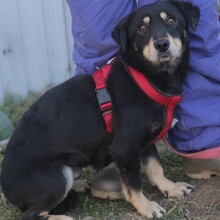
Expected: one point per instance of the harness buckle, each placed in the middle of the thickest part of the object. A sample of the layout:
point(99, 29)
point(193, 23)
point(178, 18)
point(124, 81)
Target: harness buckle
point(102, 96)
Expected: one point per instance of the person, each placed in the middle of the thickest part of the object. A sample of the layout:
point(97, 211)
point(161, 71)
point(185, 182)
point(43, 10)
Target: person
point(197, 133)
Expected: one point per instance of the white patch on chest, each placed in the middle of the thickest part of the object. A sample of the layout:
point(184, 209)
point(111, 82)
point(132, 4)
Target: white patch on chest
point(174, 121)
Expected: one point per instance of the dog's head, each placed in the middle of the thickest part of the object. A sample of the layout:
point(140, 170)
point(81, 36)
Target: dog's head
point(158, 32)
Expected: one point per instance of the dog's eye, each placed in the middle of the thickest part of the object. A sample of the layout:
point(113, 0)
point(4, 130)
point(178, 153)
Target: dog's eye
point(142, 28)
point(171, 20)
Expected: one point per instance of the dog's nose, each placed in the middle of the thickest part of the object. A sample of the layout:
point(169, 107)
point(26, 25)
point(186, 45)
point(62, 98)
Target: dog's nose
point(162, 45)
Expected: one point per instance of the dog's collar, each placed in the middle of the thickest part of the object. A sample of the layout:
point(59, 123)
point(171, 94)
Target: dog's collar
point(104, 100)
point(151, 91)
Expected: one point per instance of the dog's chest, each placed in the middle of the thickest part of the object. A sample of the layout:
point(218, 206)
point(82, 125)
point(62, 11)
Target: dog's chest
point(155, 121)
point(158, 122)
point(157, 125)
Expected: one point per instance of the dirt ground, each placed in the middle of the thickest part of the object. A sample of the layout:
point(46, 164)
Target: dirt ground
point(205, 200)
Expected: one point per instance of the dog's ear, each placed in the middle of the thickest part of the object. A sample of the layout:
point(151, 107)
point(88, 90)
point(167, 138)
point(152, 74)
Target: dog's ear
point(190, 12)
point(120, 33)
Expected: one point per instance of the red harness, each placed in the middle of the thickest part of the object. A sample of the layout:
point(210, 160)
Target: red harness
point(170, 102)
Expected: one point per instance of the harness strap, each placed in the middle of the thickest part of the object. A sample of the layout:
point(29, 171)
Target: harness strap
point(169, 117)
point(151, 91)
point(103, 97)
point(141, 81)
point(170, 102)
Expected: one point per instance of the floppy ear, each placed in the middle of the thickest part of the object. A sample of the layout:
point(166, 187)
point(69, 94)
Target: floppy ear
point(190, 12)
point(120, 33)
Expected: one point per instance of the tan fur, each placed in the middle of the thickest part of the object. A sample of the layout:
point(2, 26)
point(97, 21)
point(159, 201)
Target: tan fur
point(163, 15)
point(156, 176)
point(80, 185)
point(55, 217)
point(146, 20)
point(175, 46)
point(142, 204)
point(150, 52)
point(59, 217)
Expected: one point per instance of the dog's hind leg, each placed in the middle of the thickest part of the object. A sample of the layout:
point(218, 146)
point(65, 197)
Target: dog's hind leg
point(81, 186)
point(44, 216)
point(150, 163)
point(68, 203)
point(48, 192)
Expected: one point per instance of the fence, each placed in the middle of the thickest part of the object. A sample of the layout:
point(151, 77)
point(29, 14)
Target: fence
point(35, 45)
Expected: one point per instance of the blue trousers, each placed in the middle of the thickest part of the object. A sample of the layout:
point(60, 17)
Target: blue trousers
point(198, 114)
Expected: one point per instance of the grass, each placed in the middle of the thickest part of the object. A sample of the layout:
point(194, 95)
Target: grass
point(90, 208)
point(120, 210)
point(14, 106)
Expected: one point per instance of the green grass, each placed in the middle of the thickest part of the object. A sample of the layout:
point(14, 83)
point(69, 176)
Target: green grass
point(14, 106)
point(120, 210)
point(92, 208)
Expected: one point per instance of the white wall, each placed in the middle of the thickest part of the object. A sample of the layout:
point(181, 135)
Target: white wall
point(35, 45)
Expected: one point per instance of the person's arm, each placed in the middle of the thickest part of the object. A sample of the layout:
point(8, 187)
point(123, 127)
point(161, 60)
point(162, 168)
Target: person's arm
point(92, 24)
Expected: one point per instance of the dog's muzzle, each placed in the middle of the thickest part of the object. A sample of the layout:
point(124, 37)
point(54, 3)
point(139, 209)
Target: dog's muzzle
point(162, 45)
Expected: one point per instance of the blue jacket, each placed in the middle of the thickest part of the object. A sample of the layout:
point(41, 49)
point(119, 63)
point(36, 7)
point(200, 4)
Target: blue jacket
point(198, 114)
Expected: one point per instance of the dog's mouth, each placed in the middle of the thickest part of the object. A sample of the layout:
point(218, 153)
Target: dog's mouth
point(166, 61)
point(168, 58)
point(164, 57)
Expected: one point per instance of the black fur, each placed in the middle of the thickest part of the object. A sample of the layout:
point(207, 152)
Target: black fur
point(65, 126)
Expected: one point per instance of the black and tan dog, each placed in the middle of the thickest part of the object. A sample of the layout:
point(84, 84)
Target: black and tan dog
point(65, 131)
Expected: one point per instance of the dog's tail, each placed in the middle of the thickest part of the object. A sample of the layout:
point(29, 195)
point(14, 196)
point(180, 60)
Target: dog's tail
point(56, 213)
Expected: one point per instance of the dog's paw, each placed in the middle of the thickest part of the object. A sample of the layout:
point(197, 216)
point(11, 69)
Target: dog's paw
point(152, 210)
point(81, 186)
point(145, 207)
point(178, 190)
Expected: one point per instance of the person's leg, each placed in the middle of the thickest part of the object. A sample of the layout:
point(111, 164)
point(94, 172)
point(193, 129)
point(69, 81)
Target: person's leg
point(198, 126)
point(92, 24)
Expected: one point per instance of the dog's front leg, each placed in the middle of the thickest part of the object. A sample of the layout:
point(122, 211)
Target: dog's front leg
point(150, 163)
point(127, 158)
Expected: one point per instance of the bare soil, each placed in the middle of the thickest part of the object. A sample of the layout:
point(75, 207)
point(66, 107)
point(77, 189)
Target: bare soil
point(205, 200)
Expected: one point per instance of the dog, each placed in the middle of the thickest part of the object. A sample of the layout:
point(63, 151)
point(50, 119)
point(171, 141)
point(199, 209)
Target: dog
point(64, 130)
